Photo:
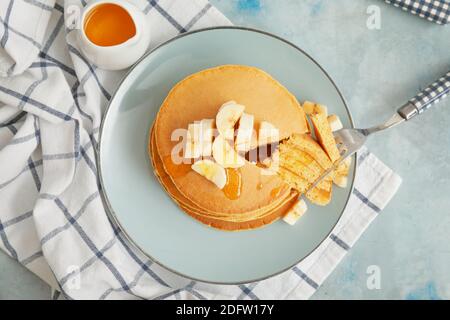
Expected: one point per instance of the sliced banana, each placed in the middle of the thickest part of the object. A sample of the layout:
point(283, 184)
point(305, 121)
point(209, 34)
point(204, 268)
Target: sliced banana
point(244, 132)
point(335, 122)
point(340, 177)
point(225, 155)
point(267, 133)
point(193, 146)
point(343, 168)
point(320, 108)
point(192, 150)
point(266, 162)
point(274, 159)
point(311, 107)
point(194, 131)
point(271, 164)
point(207, 135)
point(308, 107)
point(211, 171)
point(340, 181)
point(254, 141)
point(347, 162)
point(295, 212)
point(227, 117)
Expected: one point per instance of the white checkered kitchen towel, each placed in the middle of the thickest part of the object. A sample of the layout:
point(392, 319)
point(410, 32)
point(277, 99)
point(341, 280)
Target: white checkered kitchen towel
point(51, 215)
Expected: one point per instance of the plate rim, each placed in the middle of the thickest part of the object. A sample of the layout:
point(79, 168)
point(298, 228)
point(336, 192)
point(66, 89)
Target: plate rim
point(117, 226)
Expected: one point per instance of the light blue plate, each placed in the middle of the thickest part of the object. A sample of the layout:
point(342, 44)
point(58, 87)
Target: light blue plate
point(145, 212)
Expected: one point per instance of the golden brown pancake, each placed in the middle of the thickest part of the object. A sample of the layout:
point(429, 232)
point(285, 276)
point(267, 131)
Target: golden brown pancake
point(262, 215)
point(199, 96)
point(251, 224)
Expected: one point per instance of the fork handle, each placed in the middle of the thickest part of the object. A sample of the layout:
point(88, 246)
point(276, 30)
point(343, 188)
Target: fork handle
point(426, 98)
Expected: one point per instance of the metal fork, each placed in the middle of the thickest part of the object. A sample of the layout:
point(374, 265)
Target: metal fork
point(351, 140)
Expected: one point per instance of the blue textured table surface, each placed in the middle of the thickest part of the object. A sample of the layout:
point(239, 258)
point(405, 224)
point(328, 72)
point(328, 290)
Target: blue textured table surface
point(377, 70)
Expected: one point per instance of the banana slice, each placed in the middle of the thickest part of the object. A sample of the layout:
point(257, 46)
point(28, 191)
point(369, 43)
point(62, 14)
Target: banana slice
point(311, 107)
point(193, 147)
point(194, 131)
point(340, 181)
point(274, 159)
point(211, 171)
point(335, 122)
point(254, 140)
point(340, 177)
point(244, 133)
point(192, 150)
point(308, 107)
point(271, 164)
point(267, 133)
point(227, 117)
point(207, 135)
point(225, 155)
point(295, 212)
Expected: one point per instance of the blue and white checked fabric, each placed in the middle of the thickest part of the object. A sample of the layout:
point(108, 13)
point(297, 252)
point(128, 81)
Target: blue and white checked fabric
point(432, 94)
point(433, 10)
point(51, 216)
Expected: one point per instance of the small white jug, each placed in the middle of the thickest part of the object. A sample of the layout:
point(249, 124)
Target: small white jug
point(120, 56)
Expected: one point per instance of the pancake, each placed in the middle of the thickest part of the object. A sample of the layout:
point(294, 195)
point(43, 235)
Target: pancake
point(197, 212)
point(199, 96)
point(222, 223)
point(251, 224)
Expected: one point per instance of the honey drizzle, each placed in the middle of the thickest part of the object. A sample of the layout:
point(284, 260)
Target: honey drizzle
point(176, 170)
point(233, 187)
point(260, 184)
point(275, 192)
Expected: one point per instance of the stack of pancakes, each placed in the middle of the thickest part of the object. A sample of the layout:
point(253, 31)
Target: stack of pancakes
point(263, 198)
